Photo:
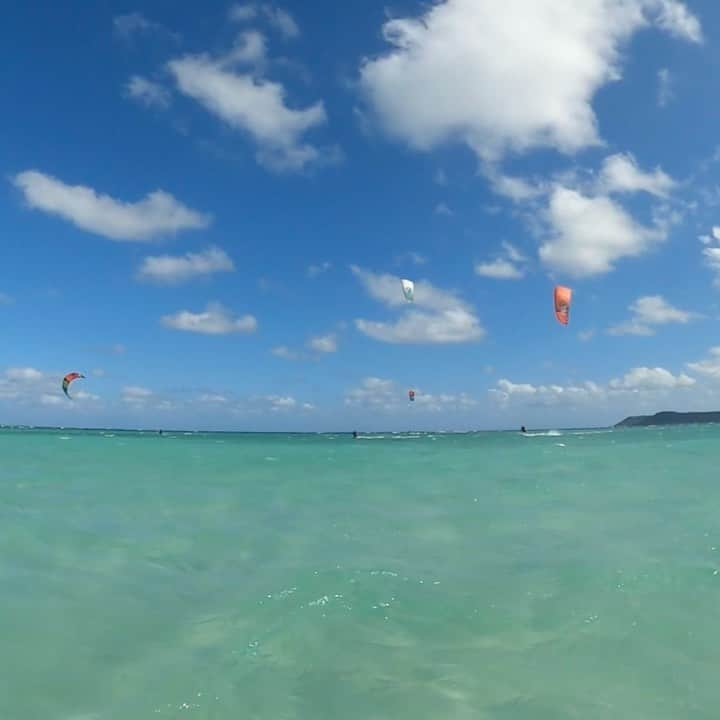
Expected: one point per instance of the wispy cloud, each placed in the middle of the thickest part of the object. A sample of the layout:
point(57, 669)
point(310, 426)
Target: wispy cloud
point(443, 209)
point(437, 316)
point(283, 351)
point(159, 213)
point(314, 271)
point(174, 269)
point(507, 266)
point(665, 87)
point(248, 102)
point(147, 92)
point(280, 19)
point(647, 313)
point(215, 320)
point(134, 24)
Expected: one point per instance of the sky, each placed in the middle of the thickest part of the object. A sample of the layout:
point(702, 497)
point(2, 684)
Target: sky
point(207, 211)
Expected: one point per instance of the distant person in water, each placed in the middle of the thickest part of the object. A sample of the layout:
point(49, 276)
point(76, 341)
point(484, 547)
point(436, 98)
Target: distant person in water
point(355, 434)
point(522, 429)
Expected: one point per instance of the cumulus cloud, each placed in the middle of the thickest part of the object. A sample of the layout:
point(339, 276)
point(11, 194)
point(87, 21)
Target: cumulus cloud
point(173, 269)
point(645, 378)
point(147, 92)
point(323, 343)
point(590, 234)
point(159, 213)
point(254, 105)
point(30, 386)
point(546, 77)
point(620, 173)
point(640, 380)
point(382, 394)
point(508, 266)
point(710, 367)
point(648, 312)
point(436, 316)
point(281, 402)
point(215, 320)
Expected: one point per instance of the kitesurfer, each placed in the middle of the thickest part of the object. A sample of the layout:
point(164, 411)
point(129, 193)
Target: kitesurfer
point(355, 434)
point(522, 429)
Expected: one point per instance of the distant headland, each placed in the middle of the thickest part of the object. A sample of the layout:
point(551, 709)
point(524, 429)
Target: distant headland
point(668, 417)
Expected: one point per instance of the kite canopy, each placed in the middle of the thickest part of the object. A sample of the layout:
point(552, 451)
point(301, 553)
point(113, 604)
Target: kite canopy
point(408, 288)
point(411, 395)
point(563, 295)
point(70, 377)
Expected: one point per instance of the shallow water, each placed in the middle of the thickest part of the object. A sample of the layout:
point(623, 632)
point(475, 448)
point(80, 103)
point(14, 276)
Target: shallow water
point(489, 575)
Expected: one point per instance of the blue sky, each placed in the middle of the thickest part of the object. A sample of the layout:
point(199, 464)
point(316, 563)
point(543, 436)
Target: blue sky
point(208, 212)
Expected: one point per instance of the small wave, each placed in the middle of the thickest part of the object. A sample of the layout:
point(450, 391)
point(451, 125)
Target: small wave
point(370, 437)
point(270, 458)
point(549, 433)
point(560, 445)
point(64, 437)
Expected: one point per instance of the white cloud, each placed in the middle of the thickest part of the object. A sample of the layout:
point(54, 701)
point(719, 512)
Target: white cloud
point(499, 269)
point(24, 374)
point(620, 173)
point(48, 399)
point(544, 64)
point(147, 92)
point(308, 407)
point(503, 268)
point(650, 311)
point(586, 335)
point(710, 367)
point(159, 213)
point(279, 18)
point(665, 87)
point(213, 399)
point(379, 393)
point(712, 260)
point(215, 320)
point(675, 18)
point(645, 378)
point(515, 188)
point(440, 177)
point(716, 233)
point(638, 381)
point(136, 395)
point(443, 209)
point(172, 269)
point(281, 402)
point(323, 344)
point(254, 105)
point(282, 21)
point(314, 271)
point(441, 316)
point(242, 13)
point(250, 49)
point(590, 234)
point(131, 24)
point(283, 351)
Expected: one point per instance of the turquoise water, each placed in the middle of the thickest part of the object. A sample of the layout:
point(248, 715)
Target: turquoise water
point(437, 576)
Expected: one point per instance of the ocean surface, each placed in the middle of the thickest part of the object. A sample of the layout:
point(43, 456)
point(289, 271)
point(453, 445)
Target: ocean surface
point(568, 575)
